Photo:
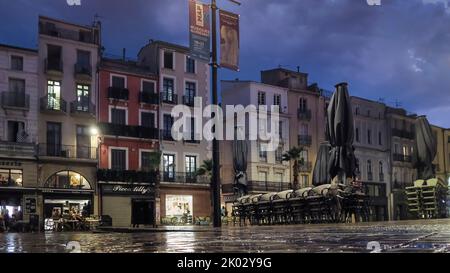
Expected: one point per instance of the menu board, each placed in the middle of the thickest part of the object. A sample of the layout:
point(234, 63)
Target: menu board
point(30, 205)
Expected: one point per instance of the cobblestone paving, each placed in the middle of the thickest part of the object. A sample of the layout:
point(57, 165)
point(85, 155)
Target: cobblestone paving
point(403, 236)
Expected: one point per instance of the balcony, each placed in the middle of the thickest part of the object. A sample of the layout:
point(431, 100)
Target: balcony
point(267, 186)
point(108, 175)
point(304, 140)
point(166, 135)
point(17, 149)
point(118, 93)
point(149, 98)
point(112, 129)
point(381, 176)
point(402, 134)
point(84, 36)
point(53, 66)
point(188, 100)
point(185, 178)
point(306, 167)
point(370, 176)
point(83, 71)
point(402, 158)
point(53, 105)
point(78, 108)
point(304, 114)
point(67, 151)
point(15, 101)
point(168, 97)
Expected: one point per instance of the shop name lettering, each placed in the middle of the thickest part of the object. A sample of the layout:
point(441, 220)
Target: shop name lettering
point(139, 189)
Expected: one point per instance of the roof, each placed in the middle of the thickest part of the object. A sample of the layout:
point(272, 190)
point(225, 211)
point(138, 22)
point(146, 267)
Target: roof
point(255, 82)
point(126, 66)
point(64, 22)
point(284, 70)
point(160, 43)
point(19, 48)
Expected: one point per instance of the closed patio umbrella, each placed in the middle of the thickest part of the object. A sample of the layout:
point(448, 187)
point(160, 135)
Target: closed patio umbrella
point(340, 135)
point(320, 173)
point(240, 151)
point(425, 149)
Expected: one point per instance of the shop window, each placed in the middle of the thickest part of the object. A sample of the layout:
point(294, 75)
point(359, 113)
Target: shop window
point(179, 206)
point(67, 180)
point(11, 178)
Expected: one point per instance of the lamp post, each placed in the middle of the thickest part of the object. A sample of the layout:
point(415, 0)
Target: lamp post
point(217, 221)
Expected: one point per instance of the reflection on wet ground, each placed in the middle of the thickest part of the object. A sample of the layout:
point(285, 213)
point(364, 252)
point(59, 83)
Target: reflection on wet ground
point(404, 236)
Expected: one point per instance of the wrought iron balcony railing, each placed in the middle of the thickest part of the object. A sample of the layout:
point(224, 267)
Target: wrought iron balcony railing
point(118, 93)
point(183, 177)
point(50, 103)
point(17, 149)
point(83, 70)
point(169, 97)
point(304, 114)
point(113, 129)
point(402, 158)
point(67, 151)
point(147, 97)
point(129, 176)
point(15, 100)
point(267, 186)
point(53, 65)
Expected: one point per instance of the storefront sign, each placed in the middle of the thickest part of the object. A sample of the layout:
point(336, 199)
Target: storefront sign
point(127, 190)
point(229, 40)
point(199, 31)
point(30, 205)
point(229, 198)
point(10, 163)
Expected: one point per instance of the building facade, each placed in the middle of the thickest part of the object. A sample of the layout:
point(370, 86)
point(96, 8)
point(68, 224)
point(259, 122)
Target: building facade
point(307, 110)
point(371, 152)
point(67, 89)
point(129, 144)
point(266, 172)
point(18, 131)
point(184, 195)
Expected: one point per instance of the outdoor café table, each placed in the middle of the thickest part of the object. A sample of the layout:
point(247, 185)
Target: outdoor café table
point(72, 223)
point(92, 223)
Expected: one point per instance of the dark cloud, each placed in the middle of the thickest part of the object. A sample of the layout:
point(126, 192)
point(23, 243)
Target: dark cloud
point(398, 51)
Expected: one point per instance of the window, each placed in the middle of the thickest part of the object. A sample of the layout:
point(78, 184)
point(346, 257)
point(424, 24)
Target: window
point(53, 139)
point(83, 97)
point(262, 152)
point(277, 100)
point(54, 95)
point(405, 150)
point(118, 159)
point(357, 169)
point(356, 110)
point(380, 170)
point(261, 98)
point(169, 166)
point(190, 165)
point(279, 154)
point(280, 129)
point(369, 136)
point(146, 161)
point(168, 59)
point(168, 89)
point(304, 181)
point(118, 116)
point(118, 82)
point(83, 142)
point(304, 129)
point(148, 119)
point(303, 105)
point(304, 156)
point(16, 131)
point(167, 122)
point(84, 59)
point(357, 134)
point(380, 138)
point(148, 87)
point(17, 63)
point(67, 180)
point(54, 58)
point(262, 176)
point(11, 178)
point(190, 65)
point(369, 170)
point(368, 113)
point(189, 93)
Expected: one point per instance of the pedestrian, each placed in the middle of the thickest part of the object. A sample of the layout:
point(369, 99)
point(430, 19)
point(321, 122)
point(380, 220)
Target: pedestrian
point(6, 219)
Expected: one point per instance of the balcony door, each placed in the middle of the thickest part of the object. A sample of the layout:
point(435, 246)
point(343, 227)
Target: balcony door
point(16, 131)
point(54, 59)
point(53, 139)
point(190, 92)
point(84, 59)
point(169, 167)
point(54, 95)
point(168, 89)
point(83, 142)
point(83, 97)
point(118, 159)
point(17, 89)
point(191, 167)
point(148, 119)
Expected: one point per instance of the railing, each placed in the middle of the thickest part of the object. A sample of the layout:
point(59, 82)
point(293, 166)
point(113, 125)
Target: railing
point(118, 93)
point(381, 175)
point(67, 151)
point(17, 149)
point(183, 177)
point(402, 158)
point(112, 129)
point(79, 107)
point(267, 186)
point(52, 30)
point(402, 133)
point(127, 176)
point(83, 70)
point(147, 97)
point(166, 135)
point(169, 97)
point(49, 103)
point(370, 176)
point(306, 166)
point(188, 100)
point(53, 65)
point(304, 140)
point(304, 114)
point(15, 100)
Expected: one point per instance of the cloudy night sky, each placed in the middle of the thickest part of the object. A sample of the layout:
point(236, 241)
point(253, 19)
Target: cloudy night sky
point(398, 52)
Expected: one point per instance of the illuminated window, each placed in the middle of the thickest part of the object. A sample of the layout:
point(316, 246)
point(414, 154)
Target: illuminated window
point(11, 178)
point(67, 180)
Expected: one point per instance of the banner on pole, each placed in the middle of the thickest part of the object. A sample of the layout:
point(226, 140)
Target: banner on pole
point(229, 40)
point(199, 31)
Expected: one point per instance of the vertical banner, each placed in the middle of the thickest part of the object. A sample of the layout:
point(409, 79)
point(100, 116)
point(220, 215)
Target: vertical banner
point(229, 40)
point(199, 31)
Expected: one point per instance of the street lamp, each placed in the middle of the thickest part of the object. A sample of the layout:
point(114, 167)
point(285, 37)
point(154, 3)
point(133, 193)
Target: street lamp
point(217, 221)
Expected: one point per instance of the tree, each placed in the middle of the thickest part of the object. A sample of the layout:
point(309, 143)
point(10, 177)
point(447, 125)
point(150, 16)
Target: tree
point(205, 168)
point(294, 156)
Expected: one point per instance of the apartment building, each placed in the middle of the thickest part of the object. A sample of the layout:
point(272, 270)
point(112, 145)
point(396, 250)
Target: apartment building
point(67, 139)
point(307, 109)
point(129, 147)
point(18, 131)
point(185, 196)
point(266, 172)
point(372, 155)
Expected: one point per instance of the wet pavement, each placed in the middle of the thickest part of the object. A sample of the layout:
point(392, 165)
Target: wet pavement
point(402, 236)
